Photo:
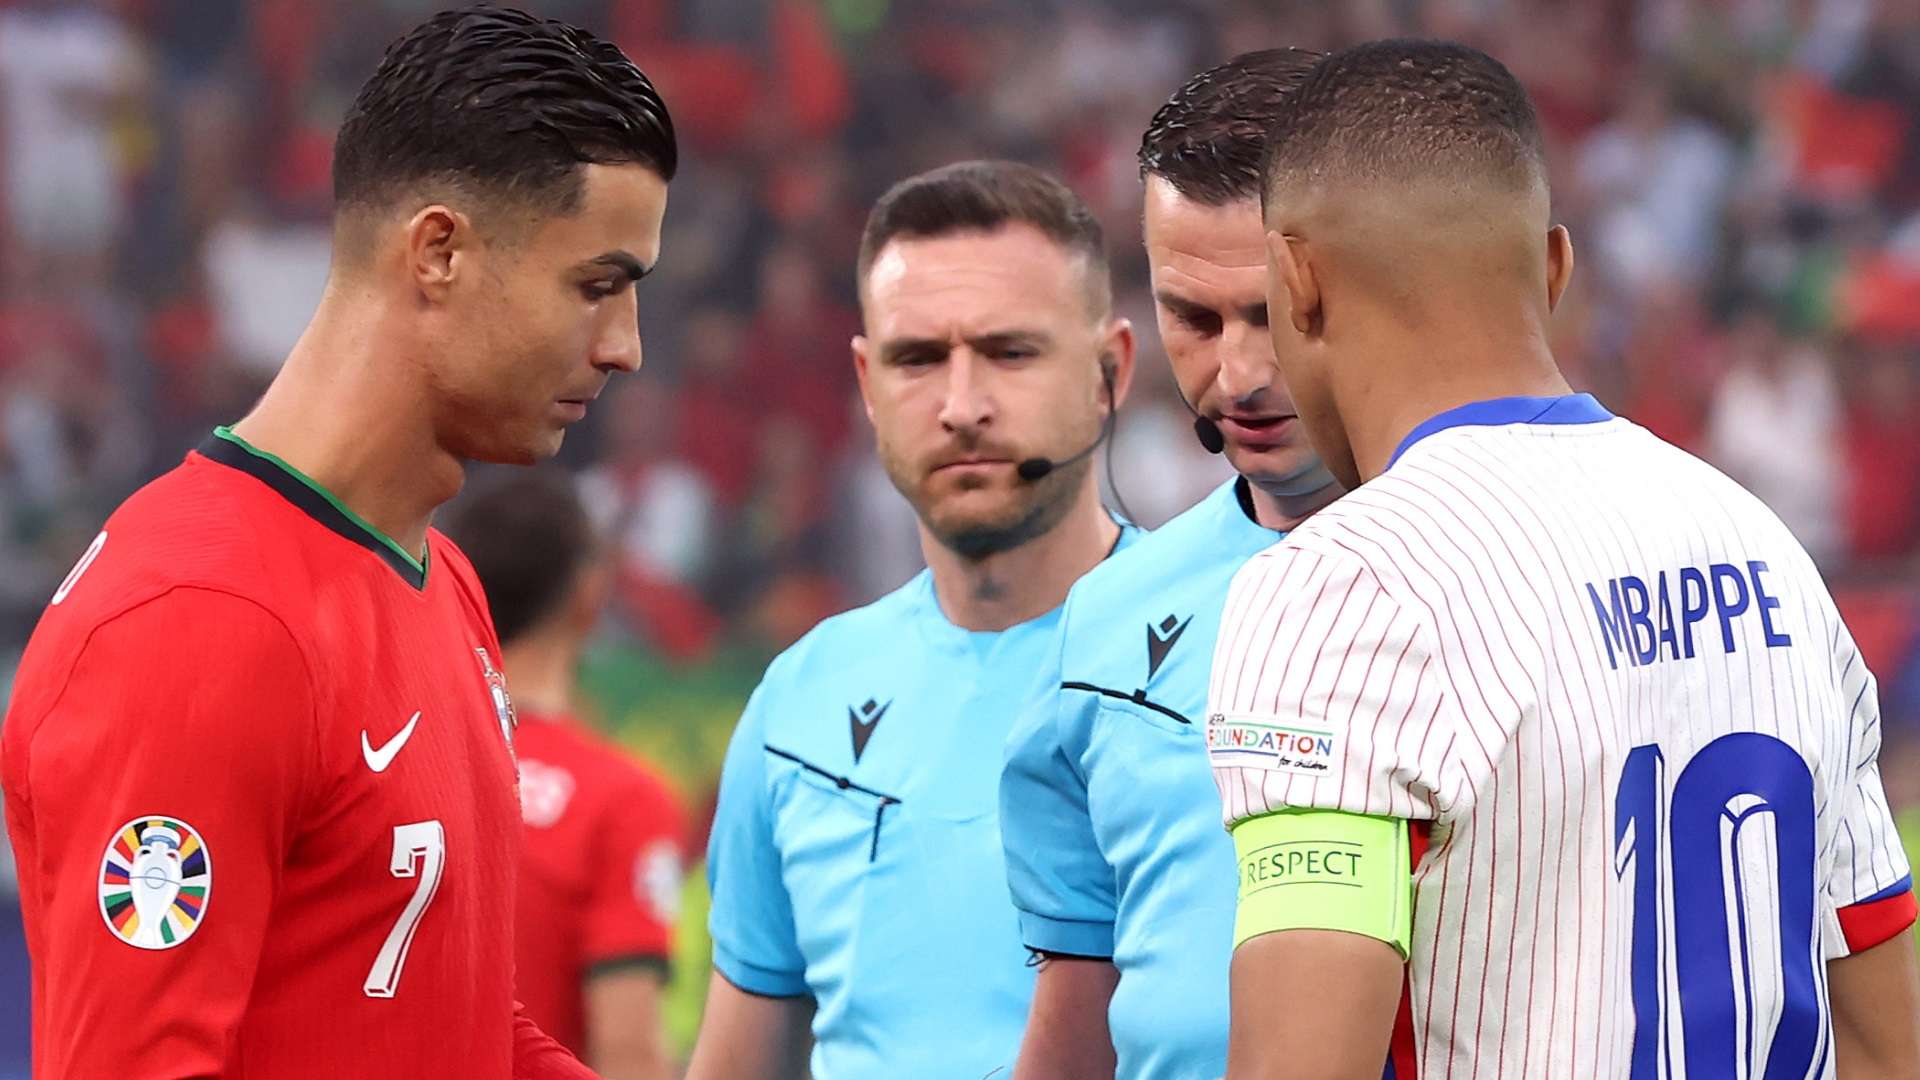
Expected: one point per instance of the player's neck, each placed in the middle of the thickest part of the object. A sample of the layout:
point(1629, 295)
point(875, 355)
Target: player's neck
point(541, 668)
point(1472, 363)
point(343, 412)
point(1284, 513)
point(1010, 587)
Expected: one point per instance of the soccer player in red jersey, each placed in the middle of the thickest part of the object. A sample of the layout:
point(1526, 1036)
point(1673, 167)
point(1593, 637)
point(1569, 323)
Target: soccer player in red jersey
point(605, 838)
point(258, 764)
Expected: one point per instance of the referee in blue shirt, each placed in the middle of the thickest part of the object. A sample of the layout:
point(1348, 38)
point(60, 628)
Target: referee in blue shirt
point(1115, 855)
point(855, 862)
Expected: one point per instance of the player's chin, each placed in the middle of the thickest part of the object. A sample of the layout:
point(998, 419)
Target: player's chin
point(529, 447)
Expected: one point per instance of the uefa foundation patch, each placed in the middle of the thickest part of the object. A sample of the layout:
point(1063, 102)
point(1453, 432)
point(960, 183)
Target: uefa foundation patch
point(154, 881)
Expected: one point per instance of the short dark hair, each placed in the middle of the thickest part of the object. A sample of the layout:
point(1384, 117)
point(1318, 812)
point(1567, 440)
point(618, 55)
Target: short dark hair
point(1403, 110)
point(528, 537)
point(1208, 139)
point(495, 101)
point(980, 196)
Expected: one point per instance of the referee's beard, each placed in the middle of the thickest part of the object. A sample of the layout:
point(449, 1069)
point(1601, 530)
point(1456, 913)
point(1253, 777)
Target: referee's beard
point(1027, 511)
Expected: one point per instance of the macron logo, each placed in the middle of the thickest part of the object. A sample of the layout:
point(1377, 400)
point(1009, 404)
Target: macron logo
point(378, 760)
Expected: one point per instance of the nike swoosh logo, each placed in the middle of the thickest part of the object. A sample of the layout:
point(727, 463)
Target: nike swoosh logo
point(378, 760)
point(1158, 647)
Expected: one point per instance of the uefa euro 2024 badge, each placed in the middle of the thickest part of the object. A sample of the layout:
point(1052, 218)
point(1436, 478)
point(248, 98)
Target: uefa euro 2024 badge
point(154, 882)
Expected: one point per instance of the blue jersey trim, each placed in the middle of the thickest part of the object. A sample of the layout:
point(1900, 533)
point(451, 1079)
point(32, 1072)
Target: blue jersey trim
point(1904, 885)
point(1566, 409)
point(1066, 935)
point(755, 979)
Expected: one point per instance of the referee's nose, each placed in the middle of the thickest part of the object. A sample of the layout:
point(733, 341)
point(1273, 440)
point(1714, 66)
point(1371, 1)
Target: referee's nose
point(1246, 361)
point(967, 406)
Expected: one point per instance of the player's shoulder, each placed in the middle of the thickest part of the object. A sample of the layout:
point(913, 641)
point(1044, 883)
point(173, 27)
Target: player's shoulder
point(197, 531)
point(595, 762)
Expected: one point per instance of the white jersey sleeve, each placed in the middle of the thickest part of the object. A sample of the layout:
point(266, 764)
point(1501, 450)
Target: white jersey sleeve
point(1869, 864)
point(1326, 693)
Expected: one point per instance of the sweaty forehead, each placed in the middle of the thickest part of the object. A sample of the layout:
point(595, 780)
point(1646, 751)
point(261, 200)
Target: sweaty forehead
point(974, 283)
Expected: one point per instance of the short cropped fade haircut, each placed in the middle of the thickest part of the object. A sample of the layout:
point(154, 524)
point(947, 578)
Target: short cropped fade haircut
point(528, 537)
point(502, 105)
point(1207, 141)
point(982, 196)
point(1403, 111)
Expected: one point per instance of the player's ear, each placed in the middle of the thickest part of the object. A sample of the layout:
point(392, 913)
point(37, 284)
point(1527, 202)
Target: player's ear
point(1116, 357)
point(862, 351)
point(1559, 264)
point(1291, 283)
point(437, 239)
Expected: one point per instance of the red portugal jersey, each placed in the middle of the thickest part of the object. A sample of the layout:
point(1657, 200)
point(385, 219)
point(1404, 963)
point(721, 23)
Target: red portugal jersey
point(259, 779)
point(600, 881)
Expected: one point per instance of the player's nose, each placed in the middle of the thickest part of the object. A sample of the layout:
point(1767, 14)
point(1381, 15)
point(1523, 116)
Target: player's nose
point(617, 346)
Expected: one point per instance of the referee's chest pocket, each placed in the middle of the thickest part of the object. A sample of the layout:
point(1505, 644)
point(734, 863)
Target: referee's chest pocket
point(834, 838)
point(824, 816)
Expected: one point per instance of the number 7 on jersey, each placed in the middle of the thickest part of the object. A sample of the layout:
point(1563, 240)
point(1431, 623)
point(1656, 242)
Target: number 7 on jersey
point(419, 851)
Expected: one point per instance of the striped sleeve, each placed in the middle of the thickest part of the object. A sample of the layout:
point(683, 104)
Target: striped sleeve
point(1325, 693)
point(1870, 886)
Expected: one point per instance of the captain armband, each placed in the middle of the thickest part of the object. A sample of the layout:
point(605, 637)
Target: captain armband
point(1324, 870)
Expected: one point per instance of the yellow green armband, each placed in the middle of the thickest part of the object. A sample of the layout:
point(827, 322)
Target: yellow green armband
point(1324, 870)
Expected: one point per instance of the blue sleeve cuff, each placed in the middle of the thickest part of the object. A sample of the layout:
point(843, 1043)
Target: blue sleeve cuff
point(754, 979)
point(1066, 935)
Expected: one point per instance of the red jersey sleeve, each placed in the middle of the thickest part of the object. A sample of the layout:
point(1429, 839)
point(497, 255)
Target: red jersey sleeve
point(641, 837)
point(537, 1057)
point(161, 784)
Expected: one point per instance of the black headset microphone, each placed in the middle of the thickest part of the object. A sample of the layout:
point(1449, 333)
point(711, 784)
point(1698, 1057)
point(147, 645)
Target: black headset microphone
point(1205, 430)
point(1034, 469)
point(1208, 432)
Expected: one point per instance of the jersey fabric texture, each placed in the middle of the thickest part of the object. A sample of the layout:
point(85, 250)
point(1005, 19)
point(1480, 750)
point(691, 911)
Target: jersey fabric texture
point(259, 779)
point(855, 853)
point(1108, 811)
point(1613, 693)
point(601, 876)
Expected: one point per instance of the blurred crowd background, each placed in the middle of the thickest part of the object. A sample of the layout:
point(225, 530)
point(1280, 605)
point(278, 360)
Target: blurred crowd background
point(1742, 178)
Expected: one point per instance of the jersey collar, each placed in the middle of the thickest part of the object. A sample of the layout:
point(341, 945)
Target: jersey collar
point(1565, 409)
point(315, 501)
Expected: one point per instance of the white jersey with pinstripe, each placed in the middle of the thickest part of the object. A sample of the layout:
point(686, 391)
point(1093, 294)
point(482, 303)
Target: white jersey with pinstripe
point(1615, 698)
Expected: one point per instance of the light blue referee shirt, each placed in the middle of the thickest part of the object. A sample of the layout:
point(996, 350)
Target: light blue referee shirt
point(855, 853)
point(1110, 818)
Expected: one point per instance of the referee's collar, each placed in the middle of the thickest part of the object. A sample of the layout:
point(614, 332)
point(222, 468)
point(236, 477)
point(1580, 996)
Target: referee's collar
point(1565, 409)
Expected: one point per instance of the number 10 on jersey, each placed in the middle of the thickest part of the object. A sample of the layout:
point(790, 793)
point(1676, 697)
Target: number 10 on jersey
point(1723, 930)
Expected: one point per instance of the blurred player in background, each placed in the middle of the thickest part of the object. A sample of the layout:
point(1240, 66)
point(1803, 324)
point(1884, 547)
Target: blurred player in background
point(258, 767)
point(605, 838)
point(1115, 854)
point(1548, 739)
point(855, 859)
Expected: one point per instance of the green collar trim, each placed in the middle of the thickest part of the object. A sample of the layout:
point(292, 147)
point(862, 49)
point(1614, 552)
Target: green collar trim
point(230, 449)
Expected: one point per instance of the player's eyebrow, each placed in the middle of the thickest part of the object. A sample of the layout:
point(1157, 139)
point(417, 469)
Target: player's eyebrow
point(623, 261)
